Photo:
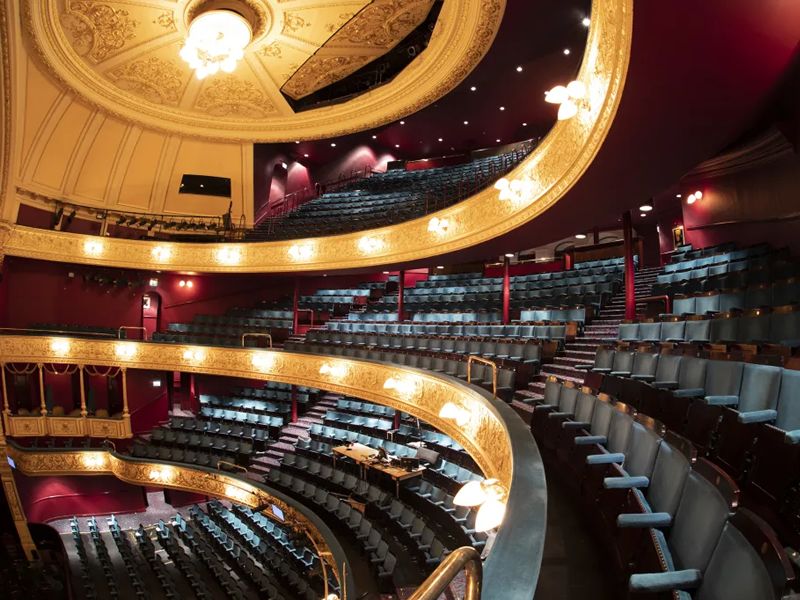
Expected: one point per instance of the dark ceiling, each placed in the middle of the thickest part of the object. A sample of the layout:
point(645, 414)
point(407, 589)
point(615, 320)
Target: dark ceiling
point(533, 35)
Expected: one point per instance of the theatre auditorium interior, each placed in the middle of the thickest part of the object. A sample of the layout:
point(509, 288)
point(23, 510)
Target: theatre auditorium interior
point(400, 299)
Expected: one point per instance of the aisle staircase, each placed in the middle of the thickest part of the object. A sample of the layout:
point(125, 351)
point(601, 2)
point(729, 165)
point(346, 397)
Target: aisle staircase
point(291, 432)
point(580, 351)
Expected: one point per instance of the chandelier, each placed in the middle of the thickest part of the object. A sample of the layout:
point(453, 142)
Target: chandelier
point(216, 42)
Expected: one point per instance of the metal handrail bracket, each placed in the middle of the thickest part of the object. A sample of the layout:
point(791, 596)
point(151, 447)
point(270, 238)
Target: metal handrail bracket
point(256, 335)
point(132, 328)
point(484, 361)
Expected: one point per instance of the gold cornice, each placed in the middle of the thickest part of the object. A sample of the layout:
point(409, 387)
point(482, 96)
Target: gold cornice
point(38, 463)
point(464, 33)
point(549, 172)
point(485, 437)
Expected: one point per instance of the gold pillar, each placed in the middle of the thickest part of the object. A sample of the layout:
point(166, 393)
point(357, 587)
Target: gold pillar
point(6, 405)
point(125, 414)
point(41, 389)
point(15, 506)
point(84, 412)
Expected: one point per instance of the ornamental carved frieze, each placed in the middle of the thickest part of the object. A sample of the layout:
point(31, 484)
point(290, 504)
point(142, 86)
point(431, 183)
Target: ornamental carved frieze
point(97, 30)
point(320, 72)
point(155, 79)
point(226, 96)
point(384, 23)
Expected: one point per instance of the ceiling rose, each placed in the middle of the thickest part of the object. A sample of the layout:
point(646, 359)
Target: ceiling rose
point(139, 60)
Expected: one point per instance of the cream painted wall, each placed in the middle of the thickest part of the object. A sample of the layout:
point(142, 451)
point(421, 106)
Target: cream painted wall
point(66, 149)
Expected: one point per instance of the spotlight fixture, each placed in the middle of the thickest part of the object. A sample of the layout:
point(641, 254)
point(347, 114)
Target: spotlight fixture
point(646, 207)
point(580, 236)
point(567, 52)
point(642, 215)
point(194, 355)
point(473, 89)
point(502, 108)
point(519, 69)
point(466, 122)
point(228, 255)
point(698, 195)
point(586, 21)
point(516, 191)
point(216, 42)
point(567, 97)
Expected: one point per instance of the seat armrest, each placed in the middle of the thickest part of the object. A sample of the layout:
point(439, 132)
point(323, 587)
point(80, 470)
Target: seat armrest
point(757, 416)
point(689, 393)
point(545, 407)
point(642, 377)
point(601, 369)
point(588, 440)
point(560, 415)
point(625, 483)
point(531, 361)
point(644, 520)
point(583, 367)
point(792, 437)
point(664, 582)
point(665, 385)
point(721, 400)
point(575, 425)
point(620, 373)
point(605, 459)
point(674, 339)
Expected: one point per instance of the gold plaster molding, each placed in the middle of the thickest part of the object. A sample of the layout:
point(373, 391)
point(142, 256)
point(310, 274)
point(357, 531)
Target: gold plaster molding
point(485, 437)
point(38, 463)
point(464, 33)
point(27, 426)
point(548, 173)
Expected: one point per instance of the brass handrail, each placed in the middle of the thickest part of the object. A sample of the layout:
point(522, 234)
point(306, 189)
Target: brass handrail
point(465, 558)
point(258, 335)
point(132, 328)
point(485, 361)
point(230, 464)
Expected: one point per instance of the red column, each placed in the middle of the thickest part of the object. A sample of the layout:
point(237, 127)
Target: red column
point(596, 235)
point(397, 419)
point(401, 284)
point(630, 290)
point(506, 291)
point(569, 260)
point(295, 304)
point(294, 404)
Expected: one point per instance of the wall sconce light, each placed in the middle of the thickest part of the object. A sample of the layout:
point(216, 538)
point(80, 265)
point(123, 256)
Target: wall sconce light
point(60, 347)
point(301, 252)
point(187, 283)
point(153, 282)
point(370, 245)
point(333, 370)
point(263, 361)
point(162, 253)
point(194, 355)
point(93, 461)
point(453, 412)
point(161, 474)
point(490, 496)
point(228, 256)
point(516, 191)
point(93, 247)
point(438, 226)
point(406, 387)
point(238, 494)
point(568, 98)
point(125, 350)
point(698, 195)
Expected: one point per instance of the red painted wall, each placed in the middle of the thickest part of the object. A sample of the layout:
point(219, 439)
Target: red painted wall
point(526, 268)
point(48, 498)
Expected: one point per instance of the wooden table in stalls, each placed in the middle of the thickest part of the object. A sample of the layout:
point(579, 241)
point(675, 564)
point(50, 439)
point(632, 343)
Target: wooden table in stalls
point(364, 456)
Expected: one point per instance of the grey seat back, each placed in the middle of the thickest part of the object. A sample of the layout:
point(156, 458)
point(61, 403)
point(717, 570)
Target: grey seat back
point(601, 417)
point(671, 468)
point(723, 378)
point(693, 373)
point(668, 367)
point(645, 363)
point(650, 331)
point(604, 358)
point(697, 331)
point(673, 331)
point(640, 456)
point(760, 387)
point(584, 407)
point(788, 405)
point(623, 361)
point(619, 431)
point(568, 399)
point(552, 390)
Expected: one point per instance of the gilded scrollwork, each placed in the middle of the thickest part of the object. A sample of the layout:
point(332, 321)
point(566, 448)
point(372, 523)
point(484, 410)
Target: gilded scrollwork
point(97, 30)
point(155, 79)
point(227, 95)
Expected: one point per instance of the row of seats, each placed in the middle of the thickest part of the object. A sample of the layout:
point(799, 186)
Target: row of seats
point(364, 408)
point(668, 516)
point(754, 327)
point(206, 449)
point(253, 408)
point(706, 279)
point(453, 335)
point(713, 256)
point(548, 331)
point(778, 294)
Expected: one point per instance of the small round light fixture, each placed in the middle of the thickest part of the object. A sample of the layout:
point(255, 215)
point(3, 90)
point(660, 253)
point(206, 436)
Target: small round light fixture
point(646, 208)
point(580, 236)
point(586, 21)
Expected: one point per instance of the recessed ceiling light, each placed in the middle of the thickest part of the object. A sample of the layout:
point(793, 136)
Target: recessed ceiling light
point(397, 145)
point(519, 69)
point(509, 255)
point(502, 108)
point(440, 267)
point(586, 21)
point(402, 122)
point(498, 141)
point(646, 207)
point(679, 195)
point(580, 236)
point(374, 137)
point(643, 214)
point(284, 165)
point(441, 139)
point(333, 144)
point(473, 88)
point(305, 155)
point(524, 124)
point(466, 122)
point(567, 52)
point(297, 141)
